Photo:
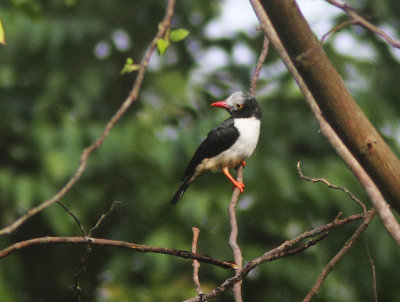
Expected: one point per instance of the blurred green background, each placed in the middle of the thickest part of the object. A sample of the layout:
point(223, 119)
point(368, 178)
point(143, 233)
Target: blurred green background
point(60, 83)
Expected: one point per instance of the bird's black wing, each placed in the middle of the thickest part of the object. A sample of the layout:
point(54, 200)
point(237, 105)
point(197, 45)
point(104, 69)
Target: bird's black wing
point(218, 140)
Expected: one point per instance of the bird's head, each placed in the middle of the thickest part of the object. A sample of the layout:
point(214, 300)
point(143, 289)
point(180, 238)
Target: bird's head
point(240, 105)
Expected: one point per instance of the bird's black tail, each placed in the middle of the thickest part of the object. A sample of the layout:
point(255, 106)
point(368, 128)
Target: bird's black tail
point(182, 188)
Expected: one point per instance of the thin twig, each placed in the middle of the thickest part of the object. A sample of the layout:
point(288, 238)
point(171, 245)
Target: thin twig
point(356, 18)
point(331, 186)
point(103, 216)
point(382, 207)
point(346, 247)
point(260, 63)
point(237, 253)
point(133, 95)
point(74, 217)
point(337, 28)
point(88, 251)
point(196, 264)
point(372, 264)
point(280, 251)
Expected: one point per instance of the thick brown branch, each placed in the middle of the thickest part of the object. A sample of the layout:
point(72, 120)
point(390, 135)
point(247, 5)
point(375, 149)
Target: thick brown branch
point(331, 264)
point(331, 95)
point(133, 95)
point(373, 192)
point(115, 243)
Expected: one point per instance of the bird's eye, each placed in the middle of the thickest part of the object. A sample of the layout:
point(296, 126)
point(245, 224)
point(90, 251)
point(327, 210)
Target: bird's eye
point(238, 106)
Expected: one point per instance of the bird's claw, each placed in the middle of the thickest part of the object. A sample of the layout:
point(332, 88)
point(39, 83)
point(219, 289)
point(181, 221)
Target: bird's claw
point(239, 185)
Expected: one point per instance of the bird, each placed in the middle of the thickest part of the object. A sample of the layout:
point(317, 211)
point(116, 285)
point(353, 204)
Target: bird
point(229, 144)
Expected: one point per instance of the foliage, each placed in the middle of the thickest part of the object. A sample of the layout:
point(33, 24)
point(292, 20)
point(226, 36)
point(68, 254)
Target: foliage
point(60, 82)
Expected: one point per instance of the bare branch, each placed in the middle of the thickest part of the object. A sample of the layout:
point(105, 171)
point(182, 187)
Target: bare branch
point(260, 63)
point(331, 264)
point(356, 18)
point(329, 185)
point(74, 217)
point(337, 28)
point(115, 243)
point(372, 264)
point(133, 95)
point(383, 209)
point(196, 264)
point(237, 253)
point(103, 216)
point(276, 253)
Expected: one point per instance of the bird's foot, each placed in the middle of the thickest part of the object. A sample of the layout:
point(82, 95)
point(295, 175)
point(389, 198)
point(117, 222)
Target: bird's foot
point(239, 185)
point(244, 163)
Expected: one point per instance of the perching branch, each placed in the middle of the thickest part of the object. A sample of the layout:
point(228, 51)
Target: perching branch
point(237, 253)
point(132, 97)
point(346, 247)
point(357, 19)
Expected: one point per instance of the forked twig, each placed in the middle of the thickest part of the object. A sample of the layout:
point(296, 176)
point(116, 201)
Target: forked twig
point(329, 185)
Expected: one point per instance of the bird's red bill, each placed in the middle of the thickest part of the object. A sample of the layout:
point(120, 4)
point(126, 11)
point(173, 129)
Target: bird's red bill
point(221, 104)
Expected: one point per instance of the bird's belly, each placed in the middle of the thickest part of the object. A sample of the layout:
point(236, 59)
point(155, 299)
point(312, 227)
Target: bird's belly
point(249, 130)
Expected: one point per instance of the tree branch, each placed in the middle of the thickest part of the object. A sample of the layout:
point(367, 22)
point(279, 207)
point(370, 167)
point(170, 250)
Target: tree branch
point(373, 192)
point(114, 243)
point(357, 19)
point(237, 253)
point(196, 264)
point(276, 253)
point(331, 264)
point(329, 185)
point(326, 86)
point(133, 95)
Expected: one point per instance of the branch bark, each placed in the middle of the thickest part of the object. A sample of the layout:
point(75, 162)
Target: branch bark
point(237, 253)
point(383, 209)
point(114, 243)
point(333, 98)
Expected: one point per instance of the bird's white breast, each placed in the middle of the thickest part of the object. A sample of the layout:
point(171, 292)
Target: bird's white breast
point(249, 130)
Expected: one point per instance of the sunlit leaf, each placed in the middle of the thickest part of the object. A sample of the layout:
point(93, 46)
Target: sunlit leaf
point(179, 34)
point(129, 66)
point(2, 34)
point(162, 46)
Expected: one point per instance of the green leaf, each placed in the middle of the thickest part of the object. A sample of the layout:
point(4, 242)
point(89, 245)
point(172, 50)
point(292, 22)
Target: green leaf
point(2, 34)
point(162, 46)
point(179, 34)
point(129, 66)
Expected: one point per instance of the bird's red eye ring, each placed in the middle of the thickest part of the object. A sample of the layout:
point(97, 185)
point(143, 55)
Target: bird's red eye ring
point(238, 106)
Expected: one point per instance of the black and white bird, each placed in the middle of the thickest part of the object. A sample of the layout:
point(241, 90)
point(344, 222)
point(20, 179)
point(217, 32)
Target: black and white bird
point(227, 145)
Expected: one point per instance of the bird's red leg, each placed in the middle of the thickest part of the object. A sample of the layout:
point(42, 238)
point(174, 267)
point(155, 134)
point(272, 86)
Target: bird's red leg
point(244, 163)
point(237, 184)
